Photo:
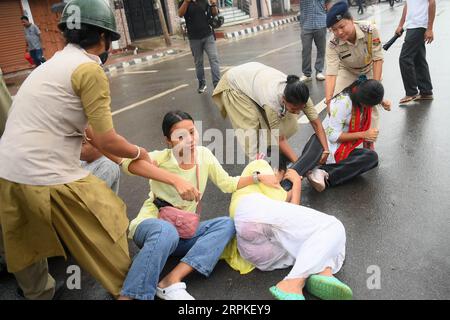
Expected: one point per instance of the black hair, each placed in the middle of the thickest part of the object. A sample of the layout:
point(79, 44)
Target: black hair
point(24, 18)
point(296, 91)
point(281, 163)
point(87, 36)
point(369, 92)
point(172, 118)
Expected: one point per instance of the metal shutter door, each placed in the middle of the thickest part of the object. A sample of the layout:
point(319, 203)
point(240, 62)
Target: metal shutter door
point(12, 38)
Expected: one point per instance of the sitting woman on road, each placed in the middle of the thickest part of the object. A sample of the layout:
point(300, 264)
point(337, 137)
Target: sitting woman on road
point(347, 126)
point(274, 232)
point(157, 238)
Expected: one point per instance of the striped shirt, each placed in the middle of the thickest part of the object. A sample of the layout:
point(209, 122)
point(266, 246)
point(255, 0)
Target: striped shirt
point(313, 14)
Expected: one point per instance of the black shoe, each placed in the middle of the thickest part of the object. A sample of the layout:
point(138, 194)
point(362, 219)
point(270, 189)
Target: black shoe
point(59, 290)
point(3, 268)
point(202, 88)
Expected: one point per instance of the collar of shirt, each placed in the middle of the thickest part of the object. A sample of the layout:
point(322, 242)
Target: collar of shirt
point(93, 57)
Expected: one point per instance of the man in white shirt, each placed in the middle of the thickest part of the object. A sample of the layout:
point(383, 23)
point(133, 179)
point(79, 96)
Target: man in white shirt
point(418, 15)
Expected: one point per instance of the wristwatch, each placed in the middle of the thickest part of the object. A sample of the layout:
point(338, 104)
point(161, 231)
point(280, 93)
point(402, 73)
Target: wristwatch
point(255, 177)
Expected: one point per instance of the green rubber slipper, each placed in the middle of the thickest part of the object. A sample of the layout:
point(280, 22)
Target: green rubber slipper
point(328, 288)
point(282, 295)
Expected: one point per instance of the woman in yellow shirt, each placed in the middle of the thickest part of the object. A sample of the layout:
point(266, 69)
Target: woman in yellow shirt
point(158, 239)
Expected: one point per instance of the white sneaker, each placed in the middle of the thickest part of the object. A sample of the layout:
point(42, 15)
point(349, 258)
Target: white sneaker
point(176, 291)
point(304, 78)
point(317, 178)
point(320, 76)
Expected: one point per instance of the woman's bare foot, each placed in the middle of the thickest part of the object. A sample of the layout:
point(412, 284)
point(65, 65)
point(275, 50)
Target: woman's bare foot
point(124, 298)
point(292, 285)
point(327, 272)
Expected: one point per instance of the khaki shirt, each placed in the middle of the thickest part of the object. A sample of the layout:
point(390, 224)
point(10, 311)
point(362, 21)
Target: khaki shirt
point(354, 57)
point(265, 86)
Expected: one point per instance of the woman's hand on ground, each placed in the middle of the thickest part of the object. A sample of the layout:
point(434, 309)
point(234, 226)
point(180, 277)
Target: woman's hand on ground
point(186, 190)
point(371, 135)
point(386, 104)
point(293, 176)
point(269, 180)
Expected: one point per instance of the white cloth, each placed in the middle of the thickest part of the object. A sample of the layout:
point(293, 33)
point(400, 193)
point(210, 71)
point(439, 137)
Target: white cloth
point(42, 140)
point(274, 235)
point(265, 85)
point(417, 14)
point(337, 122)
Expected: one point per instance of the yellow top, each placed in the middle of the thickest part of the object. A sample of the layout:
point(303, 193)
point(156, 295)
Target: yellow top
point(231, 253)
point(209, 168)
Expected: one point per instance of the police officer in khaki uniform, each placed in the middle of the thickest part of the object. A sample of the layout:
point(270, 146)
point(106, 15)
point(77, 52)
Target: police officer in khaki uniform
point(355, 49)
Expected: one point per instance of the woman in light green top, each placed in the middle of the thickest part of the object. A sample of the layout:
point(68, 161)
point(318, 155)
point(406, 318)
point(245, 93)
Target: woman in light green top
point(158, 239)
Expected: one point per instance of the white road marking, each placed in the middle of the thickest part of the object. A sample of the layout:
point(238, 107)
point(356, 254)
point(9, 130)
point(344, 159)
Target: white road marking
point(159, 95)
point(209, 68)
point(140, 72)
point(319, 107)
point(278, 49)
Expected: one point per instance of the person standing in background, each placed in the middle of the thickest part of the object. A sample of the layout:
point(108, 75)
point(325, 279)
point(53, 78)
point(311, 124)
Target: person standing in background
point(313, 23)
point(33, 37)
point(201, 37)
point(418, 15)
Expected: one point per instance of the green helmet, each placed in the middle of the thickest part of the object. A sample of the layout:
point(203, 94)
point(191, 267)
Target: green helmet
point(92, 12)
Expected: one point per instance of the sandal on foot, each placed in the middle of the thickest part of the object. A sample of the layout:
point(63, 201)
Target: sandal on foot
point(282, 295)
point(408, 99)
point(328, 288)
point(425, 97)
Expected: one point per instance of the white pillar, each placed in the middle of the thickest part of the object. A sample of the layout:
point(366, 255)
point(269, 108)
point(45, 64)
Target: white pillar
point(27, 10)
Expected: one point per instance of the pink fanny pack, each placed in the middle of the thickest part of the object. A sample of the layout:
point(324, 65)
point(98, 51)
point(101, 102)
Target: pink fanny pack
point(185, 222)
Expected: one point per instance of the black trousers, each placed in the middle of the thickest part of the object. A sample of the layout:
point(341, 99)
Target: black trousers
point(413, 63)
point(358, 162)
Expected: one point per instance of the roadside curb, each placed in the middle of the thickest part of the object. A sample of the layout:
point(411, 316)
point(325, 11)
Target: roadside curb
point(263, 27)
point(136, 61)
point(173, 52)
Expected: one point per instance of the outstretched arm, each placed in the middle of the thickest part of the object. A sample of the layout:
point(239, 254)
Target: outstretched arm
point(429, 36)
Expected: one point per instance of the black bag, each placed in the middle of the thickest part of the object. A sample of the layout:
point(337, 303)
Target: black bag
point(216, 21)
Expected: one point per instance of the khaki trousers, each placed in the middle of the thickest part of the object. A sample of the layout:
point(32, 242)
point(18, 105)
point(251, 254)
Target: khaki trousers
point(35, 281)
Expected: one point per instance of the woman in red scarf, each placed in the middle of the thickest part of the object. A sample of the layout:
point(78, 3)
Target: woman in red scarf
point(347, 126)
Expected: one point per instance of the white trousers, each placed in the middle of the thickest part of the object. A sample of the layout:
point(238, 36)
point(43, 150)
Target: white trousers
point(274, 235)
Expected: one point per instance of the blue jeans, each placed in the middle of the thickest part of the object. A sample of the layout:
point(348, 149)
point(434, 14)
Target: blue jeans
point(207, 45)
point(159, 239)
point(37, 57)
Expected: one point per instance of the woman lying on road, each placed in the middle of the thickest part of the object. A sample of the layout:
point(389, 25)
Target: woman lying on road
point(274, 232)
point(157, 238)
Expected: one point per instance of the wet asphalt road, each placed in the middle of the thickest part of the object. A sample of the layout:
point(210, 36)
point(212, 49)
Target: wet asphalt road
point(396, 216)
